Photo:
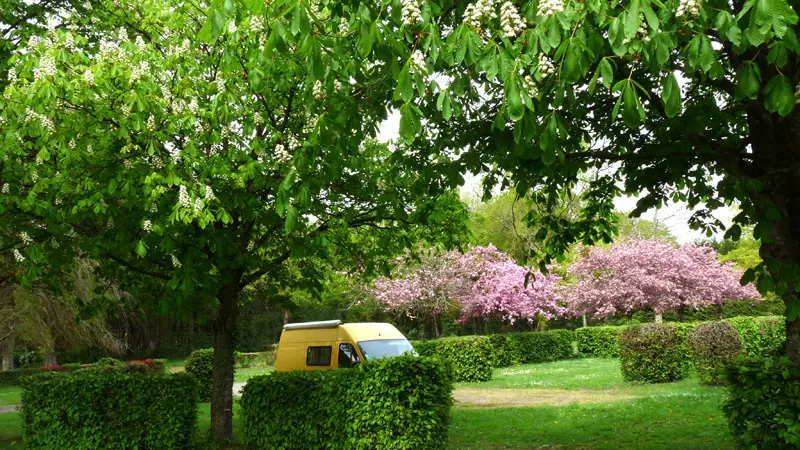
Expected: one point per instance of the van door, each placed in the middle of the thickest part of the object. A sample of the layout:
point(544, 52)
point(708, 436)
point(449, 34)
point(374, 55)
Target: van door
point(348, 357)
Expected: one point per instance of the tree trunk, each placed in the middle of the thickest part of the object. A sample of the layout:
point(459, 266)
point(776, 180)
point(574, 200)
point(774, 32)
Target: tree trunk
point(584, 320)
point(8, 353)
point(286, 316)
point(222, 384)
point(50, 358)
point(659, 318)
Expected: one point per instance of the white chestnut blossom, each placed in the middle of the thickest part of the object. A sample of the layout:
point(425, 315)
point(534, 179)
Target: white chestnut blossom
point(18, 256)
point(232, 27)
point(250, 246)
point(344, 27)
point(182, 49)
point(210, 194)
point(151, 124)
point(147, 226)
point(292, 142)
point(550, 7)
point(412, 14)
point(125, 110)
point(175, 263)
point(256, 24)
point(281, 154)
point(139, 43)
point(54, 243)
point(69, 42)
point(26, 239)
point(478, 12)
point(510, 20)
point(318, 91)
point(183, 197)
point(220, 82)
point(88, 77)
point(6, 188)
point(198, 205)
point(530, 85)
point(47, 124)
point(258, 120)
point(12, 75)
point(123, 35)
point(194, 107)
point(337, 85)
point(418, 63)
point(688, 9)
point(545, 65)
point(153, 208)
point(642, 32)
point(47, 68)
point(139, 70)
point(110, 223)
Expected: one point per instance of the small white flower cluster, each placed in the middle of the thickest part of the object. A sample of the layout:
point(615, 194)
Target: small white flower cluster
point(344, 27)
point(125, 110)
point(45, 121)
point(72, 145)
point(110, 223)
point(109, 50)
point(257, 119)
point(232, 27)
point(26, 239)
point(165, 93)
point(47, 68)
point(147, 226)
point(89, 149)
point(127, 164)
point(641, 32)
point(54, 243)
point(183, 197)
point(194, 107)
point(311, 124)
point(153, 208)
point(281, 154)
point(256, 24)
point(182, 49)
point(477, 12)
point(292, 143)
point(88, 77)
point(157, 162)
point(418, 63)
point(549, 7)
point(210, 197)
point(58, 201)
point(337, 85)
point(198, 127)
point(175, 263)
point(139, 70)
point(123, 35)
point(530, 85)
point(412, 14)
point(18, 256)
point(318, 91)
point(151, 124)
point(220, 82)
point(545, 65)
point(6, 188)
point(140, 43)
point(688, 9)
point(69, 42)
point(198, 205)
point(510, 20)
point(12, 75)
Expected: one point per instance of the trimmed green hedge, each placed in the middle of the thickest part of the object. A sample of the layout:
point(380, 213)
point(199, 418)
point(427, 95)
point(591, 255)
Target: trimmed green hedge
point(402, 402)
point(88, 410)
point(654, 353)
point(505, 349)
point(14, 377)
point(424, 348)
point(598, 342)
point(714, 346)
point(761, 336)
point(763, 409)
point(201, 364)
point(543, 346)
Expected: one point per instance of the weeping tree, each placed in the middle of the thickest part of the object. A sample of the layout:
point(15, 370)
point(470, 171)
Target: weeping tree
point(192, 151)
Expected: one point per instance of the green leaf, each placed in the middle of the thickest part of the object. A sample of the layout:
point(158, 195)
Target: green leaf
point(748, 80)
point(514, 105)
point(607, 72)
point(405, 85)
point(671, 95)
point(410, 123)
point(630, 108)
point(778, 95)
point(291, 219)
point(631, 19)
point(141, 249)
point(571, 68)
point(707, 54)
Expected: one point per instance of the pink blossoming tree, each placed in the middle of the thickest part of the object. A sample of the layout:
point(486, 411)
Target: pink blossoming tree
point(483, 283)
point(639, 274)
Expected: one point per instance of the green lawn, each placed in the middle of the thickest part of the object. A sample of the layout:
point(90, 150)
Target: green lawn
point(10, 431)
point(9, 395)
point(246, 374)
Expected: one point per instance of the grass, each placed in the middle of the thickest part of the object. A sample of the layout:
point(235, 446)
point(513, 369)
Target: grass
point(10, 395)
point(10, 430)
point(245, 374)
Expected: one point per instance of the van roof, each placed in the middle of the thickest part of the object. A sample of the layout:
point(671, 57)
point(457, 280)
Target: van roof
point(365, 331)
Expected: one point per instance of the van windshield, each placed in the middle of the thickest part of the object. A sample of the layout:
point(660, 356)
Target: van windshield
point(385, 348)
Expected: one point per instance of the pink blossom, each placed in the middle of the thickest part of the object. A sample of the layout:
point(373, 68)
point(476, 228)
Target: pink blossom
point(638, 274)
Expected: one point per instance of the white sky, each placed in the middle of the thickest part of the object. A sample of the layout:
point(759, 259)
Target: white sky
point(674, 216)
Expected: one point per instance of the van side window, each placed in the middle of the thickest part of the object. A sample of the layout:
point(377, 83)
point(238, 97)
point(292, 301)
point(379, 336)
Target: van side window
point(318, 356)
point(347, 356)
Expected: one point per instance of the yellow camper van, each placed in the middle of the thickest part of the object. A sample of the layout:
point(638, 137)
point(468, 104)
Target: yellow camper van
point(332, 344)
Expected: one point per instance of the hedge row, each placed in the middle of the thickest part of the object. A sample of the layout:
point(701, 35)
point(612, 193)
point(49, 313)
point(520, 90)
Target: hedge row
point(654, 353)
point(401, 402)
point(90, 410)
point(151, 366)
point(599, 342)
point(473, 357)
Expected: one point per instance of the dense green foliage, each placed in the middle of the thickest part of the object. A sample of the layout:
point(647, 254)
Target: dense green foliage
point(761, 336)
point(87, 410)
point(401, 402)
point(14, 377)
point(471, 357)
point(505, 349)
point(762, 408)
point(599, 342)
point(713, 346)
point(424, 348)
point(200, 364)
point(653, 353)
point(543, 346)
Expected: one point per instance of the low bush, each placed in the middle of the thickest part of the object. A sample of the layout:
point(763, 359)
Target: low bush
point(761, 336)
point(424, 348)
point(245, 360)
point(269, 357)
point(109, 365)
point(90, 410)
point(598, 342)
point(153, 366)
point(653, 353)
point(201, 364)
point(470, 356)
point(505, 350)
point(762, 408)
point(543, 346)
point(401, 402)
point(14, 377)
point(713, 346)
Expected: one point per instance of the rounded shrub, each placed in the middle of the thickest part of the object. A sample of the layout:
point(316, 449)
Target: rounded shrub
point(653, 353)
point(109, 365)
point(201, 364)
point(761, 336)
point(470, 357)
point(713, 346)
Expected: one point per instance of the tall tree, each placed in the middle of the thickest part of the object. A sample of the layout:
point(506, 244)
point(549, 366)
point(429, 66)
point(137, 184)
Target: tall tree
point(683, 100)
point(194, 151)
point(641, 274)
